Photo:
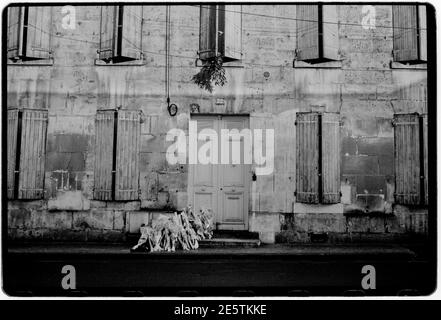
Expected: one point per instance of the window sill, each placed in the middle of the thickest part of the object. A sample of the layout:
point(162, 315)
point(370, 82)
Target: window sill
point(99, 62)
point(39, 62)
point(336, 64)
point(317, 208)
point(399, 65)
point(227, 64)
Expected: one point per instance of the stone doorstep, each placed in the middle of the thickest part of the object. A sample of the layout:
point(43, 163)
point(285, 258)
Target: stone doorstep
point(229, 242)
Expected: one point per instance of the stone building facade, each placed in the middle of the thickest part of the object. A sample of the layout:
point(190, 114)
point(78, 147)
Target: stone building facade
point(357, 68)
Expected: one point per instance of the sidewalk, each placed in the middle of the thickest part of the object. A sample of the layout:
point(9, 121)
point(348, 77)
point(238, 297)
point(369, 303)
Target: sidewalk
point(292, 250)
point(280, 269)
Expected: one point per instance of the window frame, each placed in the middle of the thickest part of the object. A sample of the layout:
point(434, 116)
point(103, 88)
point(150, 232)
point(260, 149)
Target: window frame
point(321, 61)
point(220, 44)
point(22, 59)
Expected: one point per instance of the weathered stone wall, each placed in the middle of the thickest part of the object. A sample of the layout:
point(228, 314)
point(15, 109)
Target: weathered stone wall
point(362, 87)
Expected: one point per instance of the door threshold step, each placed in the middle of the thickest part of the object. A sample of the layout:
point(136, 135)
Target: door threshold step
point(229, 242)
point(235, 234)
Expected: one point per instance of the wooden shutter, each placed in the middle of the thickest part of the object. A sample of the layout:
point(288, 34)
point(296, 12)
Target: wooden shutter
point(38, 32)
point(331, 157)
point(307, 32)
point(15, 31)
point(32, 154)
point(104, 135)
point(12, 150)
point(422, 25)
point(426, 159)
point(330, 32)
point(405, 28)
point(307, 181)
point(407, 159)
point(233, 32)
point(108, 29)
point(207, 32)
point(127, 152)
point(131, 41)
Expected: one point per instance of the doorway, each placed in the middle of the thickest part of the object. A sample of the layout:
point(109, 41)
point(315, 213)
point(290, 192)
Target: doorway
point(222, 187)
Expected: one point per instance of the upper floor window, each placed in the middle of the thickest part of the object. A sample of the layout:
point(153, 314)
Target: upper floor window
point(220, 32)
point(410, 34)
point(29, 31)
point(317, 33)
point(120, 33)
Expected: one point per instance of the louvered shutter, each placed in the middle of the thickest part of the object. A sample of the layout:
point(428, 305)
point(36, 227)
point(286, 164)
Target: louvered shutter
point(32, 154)
point(405, 41)
point(422, 25)
point(307, 32)
point(104, 135)
point(331, 157)
point(108, 28)
point(131, 42)
point(38, 32)
point(330, 32)
point(407, 159)
point(127, 153)
point(15, 31)
point(207, 32)
point(12, 150)
point(307, 181)
point(426, 159)
point(233, 32)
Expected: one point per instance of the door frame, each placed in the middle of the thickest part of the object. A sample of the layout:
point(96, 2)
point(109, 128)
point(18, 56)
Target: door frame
point(247, 179)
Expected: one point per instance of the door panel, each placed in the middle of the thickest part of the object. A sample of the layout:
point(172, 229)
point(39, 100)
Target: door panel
point(203, 177)
point(233, 197)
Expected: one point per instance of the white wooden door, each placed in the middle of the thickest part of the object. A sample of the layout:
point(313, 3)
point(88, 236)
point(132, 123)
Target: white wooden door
point(222, 187)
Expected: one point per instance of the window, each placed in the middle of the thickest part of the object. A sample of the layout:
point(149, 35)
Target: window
point(317, 33)
point(220, 32)
point(318, 157)
point(410, 34)
point(26, 151)
point(116, 159)
point(29, 31)
point(120, 33)
point(411, 171)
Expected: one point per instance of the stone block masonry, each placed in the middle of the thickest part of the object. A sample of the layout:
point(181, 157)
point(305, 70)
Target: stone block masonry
point(264, 84)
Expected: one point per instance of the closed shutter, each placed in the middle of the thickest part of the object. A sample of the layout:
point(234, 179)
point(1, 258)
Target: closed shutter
point(107, 32)
point(330, 32)
point(32, 154)
point(104, 135)
point(15, 31)
point(426, 159)
point(307, 32)
point(407, 159)
point(131, 41)
point(127, 153)
point(207, 32)
point(422, 25)
point(331, 157)
point(405, 28)
point(38, 32)
point(307, 181)
point(12, 150)
point(233, 32)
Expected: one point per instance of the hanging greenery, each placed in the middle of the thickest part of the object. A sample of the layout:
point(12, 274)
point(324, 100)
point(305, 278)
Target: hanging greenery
point(211, 72)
